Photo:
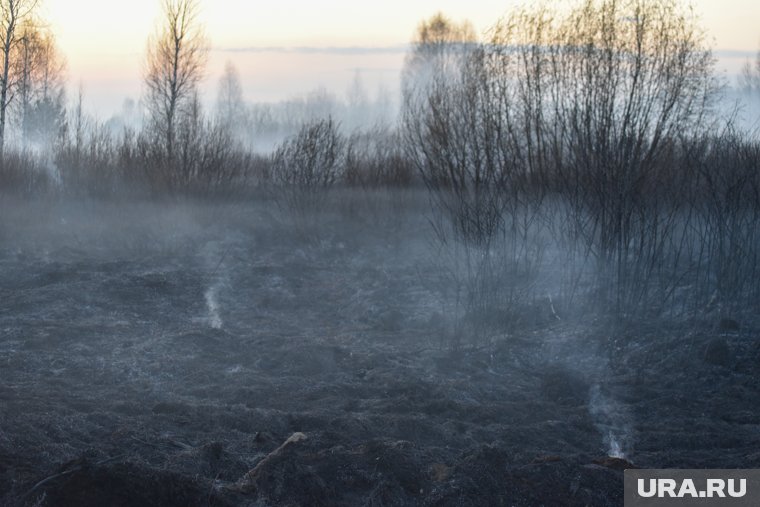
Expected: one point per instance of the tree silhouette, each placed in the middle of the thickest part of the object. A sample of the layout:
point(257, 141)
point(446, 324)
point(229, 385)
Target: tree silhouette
point(12, 14)
point(175, 62)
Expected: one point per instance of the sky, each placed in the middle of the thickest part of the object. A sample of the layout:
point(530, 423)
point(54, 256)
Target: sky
point(286, 48)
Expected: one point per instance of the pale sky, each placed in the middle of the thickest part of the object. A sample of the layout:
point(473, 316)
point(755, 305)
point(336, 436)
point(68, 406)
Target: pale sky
point(288, 47)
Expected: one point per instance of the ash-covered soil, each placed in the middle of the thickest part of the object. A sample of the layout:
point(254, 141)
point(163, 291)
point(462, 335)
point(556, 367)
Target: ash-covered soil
point(182, 355)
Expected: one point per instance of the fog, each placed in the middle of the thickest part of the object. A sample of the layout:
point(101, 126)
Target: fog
point(525, 267)
point(188, 339)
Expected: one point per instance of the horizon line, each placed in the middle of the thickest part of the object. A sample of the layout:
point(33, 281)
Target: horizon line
point(341, 50)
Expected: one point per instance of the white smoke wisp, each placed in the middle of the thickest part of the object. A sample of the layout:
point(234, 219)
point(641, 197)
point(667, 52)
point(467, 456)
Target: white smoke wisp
point(613, 421)
point(215, 256)
point(615, 450)
point(212, 306)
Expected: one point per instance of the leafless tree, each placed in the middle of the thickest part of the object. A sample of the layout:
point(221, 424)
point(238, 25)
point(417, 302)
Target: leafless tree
point(358, 110)
point(12, 14)
point(749, 87)
point(229, 103)
point(79, 124)
point(40, 88)
point(463, 143)
point(175, 63)
point(439, 47)
point(749, 79)
point(445, 115)
point(434, 39)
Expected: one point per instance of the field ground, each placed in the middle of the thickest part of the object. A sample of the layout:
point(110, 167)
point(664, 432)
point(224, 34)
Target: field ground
point(154, 354)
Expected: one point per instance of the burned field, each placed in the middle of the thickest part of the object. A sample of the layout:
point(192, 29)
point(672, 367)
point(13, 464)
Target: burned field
point(200, 354)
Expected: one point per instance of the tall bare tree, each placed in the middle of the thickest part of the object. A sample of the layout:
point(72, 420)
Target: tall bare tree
point(12, 14)
point(40, 71)
point(438, 49)
point(749, 79)
point(230, 106)
point(175, 62)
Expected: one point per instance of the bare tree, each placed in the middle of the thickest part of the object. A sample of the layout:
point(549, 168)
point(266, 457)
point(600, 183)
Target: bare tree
point(40, 86)
point(12, 14)
point(437, 36)
point(229, 103)
point(175, 62)
point(79, 125)
point(357, 103)
point(444, 126)
point(749, 87)
point(749, 79)
point(438, 49)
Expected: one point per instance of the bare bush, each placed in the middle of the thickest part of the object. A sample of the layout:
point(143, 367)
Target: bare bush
point(485, 211)
point(98, 162)
point(307, 165)
point(603, 93)
point(727, 210)
point(25, 174)
point(375, 158)
point(446, 128)
point(593, 107)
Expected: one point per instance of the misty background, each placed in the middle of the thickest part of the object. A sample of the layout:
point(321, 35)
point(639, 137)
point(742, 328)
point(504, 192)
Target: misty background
point(452, 260)
point(281, 59)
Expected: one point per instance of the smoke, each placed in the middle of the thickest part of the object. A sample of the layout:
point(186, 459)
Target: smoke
point(613, 420)
point(615, 449)
point(212, 306)
point(215, 257)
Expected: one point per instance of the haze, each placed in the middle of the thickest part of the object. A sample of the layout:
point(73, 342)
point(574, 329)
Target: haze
point(287, 48)
point(331, 266)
